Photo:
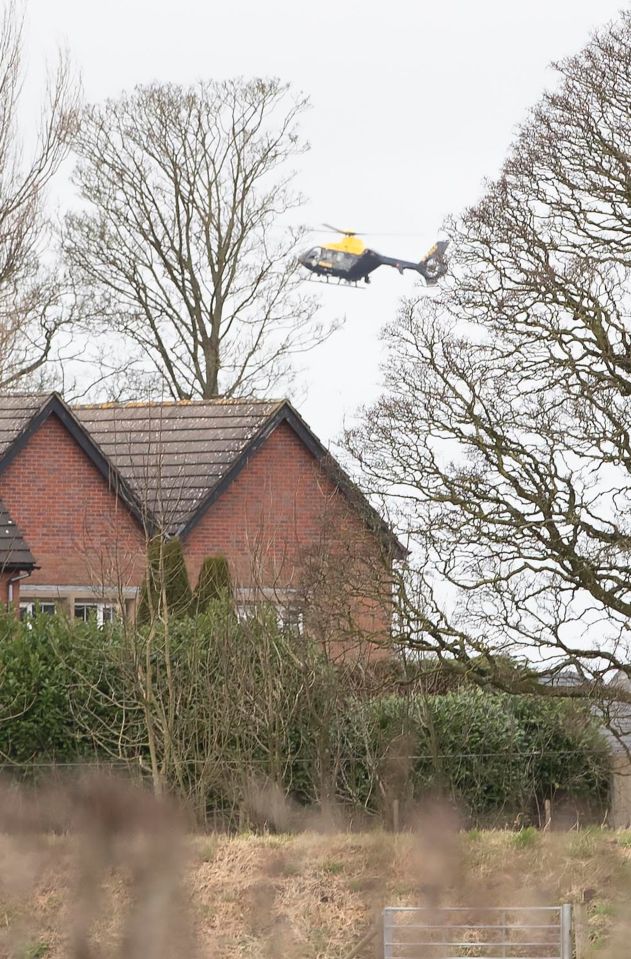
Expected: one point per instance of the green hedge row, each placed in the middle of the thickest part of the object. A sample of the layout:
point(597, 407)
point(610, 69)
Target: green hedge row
point(233, 704)
point(489, 752)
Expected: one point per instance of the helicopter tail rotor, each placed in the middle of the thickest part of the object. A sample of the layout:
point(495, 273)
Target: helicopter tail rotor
point(433, 266)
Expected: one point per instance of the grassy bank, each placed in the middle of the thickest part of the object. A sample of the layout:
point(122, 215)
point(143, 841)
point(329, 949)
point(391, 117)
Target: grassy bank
point(310, 895)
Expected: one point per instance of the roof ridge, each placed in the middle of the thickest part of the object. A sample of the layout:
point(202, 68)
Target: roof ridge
point(31, 394)
point(214, 401)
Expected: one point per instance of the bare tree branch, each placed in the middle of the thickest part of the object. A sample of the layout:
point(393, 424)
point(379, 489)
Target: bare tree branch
point(505, 430)
point(179, 249)
point(31, 291)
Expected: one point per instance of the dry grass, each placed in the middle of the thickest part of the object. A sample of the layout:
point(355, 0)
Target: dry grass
point(308, 895)
point(318, 894)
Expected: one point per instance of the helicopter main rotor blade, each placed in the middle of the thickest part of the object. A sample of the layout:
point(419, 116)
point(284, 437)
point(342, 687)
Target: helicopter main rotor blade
point(336, 229)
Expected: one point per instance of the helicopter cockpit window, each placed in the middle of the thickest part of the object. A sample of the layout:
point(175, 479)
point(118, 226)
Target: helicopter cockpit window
point(314, 254)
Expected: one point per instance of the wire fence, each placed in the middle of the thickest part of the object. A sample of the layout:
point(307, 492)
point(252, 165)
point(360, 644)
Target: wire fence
point(469, 932)
point(299, 760)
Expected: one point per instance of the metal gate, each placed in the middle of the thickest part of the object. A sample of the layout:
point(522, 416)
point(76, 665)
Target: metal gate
point(541, 932)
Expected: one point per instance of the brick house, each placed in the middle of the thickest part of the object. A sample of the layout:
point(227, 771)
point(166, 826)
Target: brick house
point(83, 488)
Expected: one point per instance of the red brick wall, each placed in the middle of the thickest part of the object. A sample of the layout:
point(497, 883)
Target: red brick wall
point(77, 530)
point(267, 512)
point(280, 510)
point(267, 515)
point(4, 588)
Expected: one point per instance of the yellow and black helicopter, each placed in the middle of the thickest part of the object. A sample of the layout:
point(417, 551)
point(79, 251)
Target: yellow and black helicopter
point(350, 261)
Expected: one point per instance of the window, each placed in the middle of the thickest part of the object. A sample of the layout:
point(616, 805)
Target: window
point(102, 612)
point(244, 611)
point(291, 619)
point(30, 608)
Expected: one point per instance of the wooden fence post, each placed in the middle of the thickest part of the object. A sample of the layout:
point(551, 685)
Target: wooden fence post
point(580, 931)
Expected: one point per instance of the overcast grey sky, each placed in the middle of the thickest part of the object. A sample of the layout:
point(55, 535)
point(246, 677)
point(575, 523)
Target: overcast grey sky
point(413, 104)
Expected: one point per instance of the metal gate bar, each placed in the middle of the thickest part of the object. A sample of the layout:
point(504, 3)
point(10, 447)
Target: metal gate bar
point(516, 932)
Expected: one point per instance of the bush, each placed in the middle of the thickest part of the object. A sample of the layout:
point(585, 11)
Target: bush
point(49, 675)
point(166, 583)
point(214, 584)
point(567, 753)
point(494, 755)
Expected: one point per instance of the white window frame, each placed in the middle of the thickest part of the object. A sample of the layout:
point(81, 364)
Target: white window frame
point(288, 615)
point(27, 607)
point(291, 617)
point(101, 609)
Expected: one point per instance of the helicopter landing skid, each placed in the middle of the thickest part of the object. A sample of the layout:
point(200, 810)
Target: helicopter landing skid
point(324, 281)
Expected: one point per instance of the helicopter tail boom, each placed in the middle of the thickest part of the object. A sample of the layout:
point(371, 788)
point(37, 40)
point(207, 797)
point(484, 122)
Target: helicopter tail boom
point(432, 267)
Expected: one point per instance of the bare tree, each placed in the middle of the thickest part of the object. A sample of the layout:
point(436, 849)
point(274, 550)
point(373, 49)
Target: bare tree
point(180, 248)
point(31, 293)
point(505, 429)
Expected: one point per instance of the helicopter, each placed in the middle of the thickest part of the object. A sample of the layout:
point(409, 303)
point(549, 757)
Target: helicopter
point(350, 261)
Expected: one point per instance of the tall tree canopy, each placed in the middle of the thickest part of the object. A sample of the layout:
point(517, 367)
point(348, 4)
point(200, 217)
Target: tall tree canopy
point(179, 246)
point(505, 427)
point(31, 291)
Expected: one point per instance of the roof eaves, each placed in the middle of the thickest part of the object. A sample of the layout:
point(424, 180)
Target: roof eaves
point(14, 566)
point(15, 554)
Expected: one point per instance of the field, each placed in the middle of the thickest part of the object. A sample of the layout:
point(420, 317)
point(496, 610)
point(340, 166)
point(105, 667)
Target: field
point(310, 895)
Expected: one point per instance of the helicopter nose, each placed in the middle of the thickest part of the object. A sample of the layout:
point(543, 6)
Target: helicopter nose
point(304, 260)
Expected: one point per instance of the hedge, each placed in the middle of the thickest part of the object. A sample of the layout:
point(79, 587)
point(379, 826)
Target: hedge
point(490, 753)
point(256, 703)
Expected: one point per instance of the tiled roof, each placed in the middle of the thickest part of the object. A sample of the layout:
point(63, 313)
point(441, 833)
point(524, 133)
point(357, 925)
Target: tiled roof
point(14, 553)
point(172, 455)
point(16, 412)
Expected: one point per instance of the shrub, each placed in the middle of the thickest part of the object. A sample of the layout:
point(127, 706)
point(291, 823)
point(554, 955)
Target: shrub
point(567, 753)
point(50, 672)
point(494, 755)
point(166, 582)
point(214, 583)
point(234, 705)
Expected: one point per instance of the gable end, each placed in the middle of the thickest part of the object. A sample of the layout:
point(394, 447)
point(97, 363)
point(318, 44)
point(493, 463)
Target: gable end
point(287, 414)
point(56, 406)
